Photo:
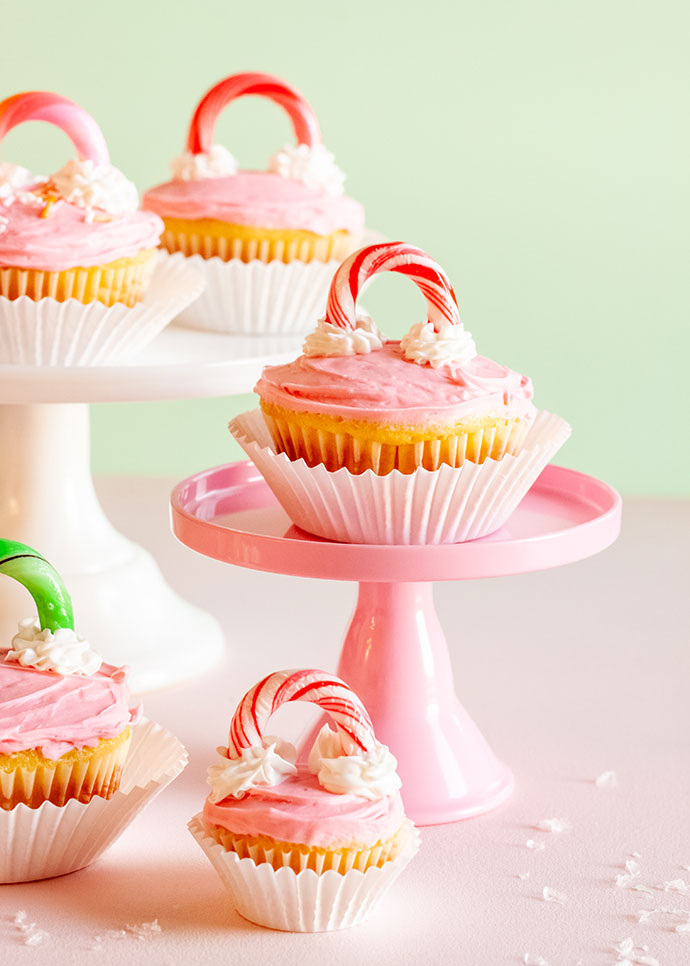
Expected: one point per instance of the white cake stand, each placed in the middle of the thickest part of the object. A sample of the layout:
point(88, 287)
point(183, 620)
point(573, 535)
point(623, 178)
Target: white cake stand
point(47, 497)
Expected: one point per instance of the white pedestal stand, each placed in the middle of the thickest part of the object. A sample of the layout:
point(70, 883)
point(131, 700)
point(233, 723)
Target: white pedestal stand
point(47, 498)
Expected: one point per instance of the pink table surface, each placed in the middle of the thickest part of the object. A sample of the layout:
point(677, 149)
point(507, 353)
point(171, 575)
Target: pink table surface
point(569, 672)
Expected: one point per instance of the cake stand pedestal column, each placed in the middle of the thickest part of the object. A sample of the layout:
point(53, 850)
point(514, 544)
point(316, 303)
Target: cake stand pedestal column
point(395, 657)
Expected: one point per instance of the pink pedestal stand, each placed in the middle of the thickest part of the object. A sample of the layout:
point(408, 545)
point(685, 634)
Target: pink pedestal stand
point(395, 655)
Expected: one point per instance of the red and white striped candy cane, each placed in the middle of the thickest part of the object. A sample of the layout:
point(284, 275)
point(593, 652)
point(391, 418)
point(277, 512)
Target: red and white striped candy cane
point(427, 275)
point(79, 126)
point(318, 687)
point(202, 126)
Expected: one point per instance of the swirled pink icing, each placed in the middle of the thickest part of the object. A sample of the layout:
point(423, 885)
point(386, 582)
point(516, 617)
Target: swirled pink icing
point(298, 810)
point(66, 239)
point(259, 199)
point(58, 713)
point(384, 386)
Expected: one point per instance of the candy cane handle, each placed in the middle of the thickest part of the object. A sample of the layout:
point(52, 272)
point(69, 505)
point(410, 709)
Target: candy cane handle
point(80, 127)
point(317, 687)
point(203, 123)
point(41, 580)
point(428, 276)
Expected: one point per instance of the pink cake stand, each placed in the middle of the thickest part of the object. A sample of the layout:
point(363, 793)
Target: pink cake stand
point(395, 655)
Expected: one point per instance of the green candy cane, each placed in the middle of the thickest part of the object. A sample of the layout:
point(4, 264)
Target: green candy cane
point(43, 582)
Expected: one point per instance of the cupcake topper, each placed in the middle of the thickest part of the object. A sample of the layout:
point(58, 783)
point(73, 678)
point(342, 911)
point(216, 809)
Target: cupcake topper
point(79, 126)
point(306, 127)
point(41, 580)
point(328, 692)
point(429, 278)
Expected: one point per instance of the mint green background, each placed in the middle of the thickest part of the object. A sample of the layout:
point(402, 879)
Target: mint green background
point(538, 150)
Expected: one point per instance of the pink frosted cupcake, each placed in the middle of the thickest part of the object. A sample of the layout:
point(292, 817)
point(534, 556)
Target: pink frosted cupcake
point(375, 440)
point(76, 762)
point(278, 234)
point(305, 846)
point(77, 255)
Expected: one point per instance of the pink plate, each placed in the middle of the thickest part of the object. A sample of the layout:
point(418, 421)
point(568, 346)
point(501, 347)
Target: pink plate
point(229, 513)
point(395, 655)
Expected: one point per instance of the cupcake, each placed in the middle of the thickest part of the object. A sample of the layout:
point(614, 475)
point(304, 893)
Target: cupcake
point(80, 277)
point(269, 241)
point(65, 723)
point(305, 846)
point(77, 234)
point(460, 430)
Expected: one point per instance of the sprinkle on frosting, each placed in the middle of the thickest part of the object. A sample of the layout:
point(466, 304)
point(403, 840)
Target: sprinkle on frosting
point(369, 774)
point(94, 186)
point(313, 165)
point(61, 651)
point(451, 345)
point(265, 765)
point(331, 340)
point(217, 162)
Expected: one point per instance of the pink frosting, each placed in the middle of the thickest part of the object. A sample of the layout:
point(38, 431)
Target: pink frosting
point(66, 240)
point(384, 386)
point(257, 198)
point(56, 713)
point(298, 810)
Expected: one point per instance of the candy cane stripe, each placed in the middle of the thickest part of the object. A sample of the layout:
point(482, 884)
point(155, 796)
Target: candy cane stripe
point(326, 691)
point(300, 112)
point(398, 257)
point(80, 127)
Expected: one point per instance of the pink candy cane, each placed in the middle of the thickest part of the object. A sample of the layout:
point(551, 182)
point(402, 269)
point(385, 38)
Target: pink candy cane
point(391, 257)
point(200, 136)
point(318, 687)
point(79, 126)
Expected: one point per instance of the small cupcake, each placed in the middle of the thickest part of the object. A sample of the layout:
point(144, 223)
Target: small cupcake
point(77, 234)
point(269, 240)
point(65, 723)
point(381, 441)
point(312, 846)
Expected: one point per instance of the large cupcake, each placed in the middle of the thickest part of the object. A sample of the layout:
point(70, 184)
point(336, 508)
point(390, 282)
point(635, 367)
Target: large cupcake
point(76, 763)
point(420, 440)
point(305, 846)
point(78, 233)
point(65, 722)
point(80, 279)
point(268, 241)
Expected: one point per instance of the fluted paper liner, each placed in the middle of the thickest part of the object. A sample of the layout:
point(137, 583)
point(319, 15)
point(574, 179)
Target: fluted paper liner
point(302, 901)
point(54, 840)
point(446, 505)
point(70, 333)
point(257, 297)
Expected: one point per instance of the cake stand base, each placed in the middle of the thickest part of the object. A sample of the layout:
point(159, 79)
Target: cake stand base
point(121, 601)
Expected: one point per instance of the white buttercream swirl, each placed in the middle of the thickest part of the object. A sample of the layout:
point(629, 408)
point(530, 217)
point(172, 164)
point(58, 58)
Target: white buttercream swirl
point(451, 346)
point(61, 651)
point(314, 166)
point(369, 774)
point(332, 340)
point(215, 163)
point(13, 178)
point(94, 186)
point(266, 765)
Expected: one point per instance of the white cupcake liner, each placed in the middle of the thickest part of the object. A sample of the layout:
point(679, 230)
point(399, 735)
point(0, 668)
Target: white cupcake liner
point(446, 505)
point(53, 840)
point(255, 298)
point(51, 333)
point(302, 901)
